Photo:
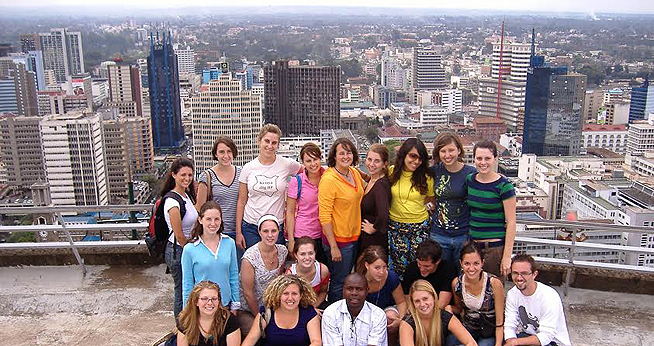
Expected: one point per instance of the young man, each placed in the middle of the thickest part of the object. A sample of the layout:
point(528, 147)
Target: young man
point(429, 266)
point(533, 312)
point(353, 321)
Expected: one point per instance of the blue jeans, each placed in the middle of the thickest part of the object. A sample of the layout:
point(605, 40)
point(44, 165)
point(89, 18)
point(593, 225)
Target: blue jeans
point(239, 252)
point(525, 335)
point(339, 270)
point(251, 234)
point(174, 263)
point(451, 247)
point(452, 341)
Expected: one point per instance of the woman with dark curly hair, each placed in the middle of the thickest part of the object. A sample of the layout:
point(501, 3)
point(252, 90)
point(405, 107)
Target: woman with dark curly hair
point(412, 189)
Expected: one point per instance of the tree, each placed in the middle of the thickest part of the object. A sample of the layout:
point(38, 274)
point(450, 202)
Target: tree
point(390, 145)
point(371, 134)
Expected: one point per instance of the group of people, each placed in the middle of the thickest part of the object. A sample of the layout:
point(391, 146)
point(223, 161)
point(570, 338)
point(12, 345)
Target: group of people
point(281, 252)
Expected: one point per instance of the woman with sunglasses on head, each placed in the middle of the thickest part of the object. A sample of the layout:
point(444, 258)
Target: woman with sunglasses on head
point(376, 200)
point(204, 321)
point(412, 190)
point(211, 255)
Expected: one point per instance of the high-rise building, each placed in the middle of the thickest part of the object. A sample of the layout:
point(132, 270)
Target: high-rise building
point(17, 88)
point(593, 101)
point(393, 74)
point(33, 61)
point(125, 89)
point(223, 107)
point(428, 71)
point(74, 158)
point(384, 96)
point(302, 100)
point(642, 101)
point(640, 137)
point(185, 59)
point(21, 157)
point(62, 52)
point(553, 111)
point(29, 42)
point(163, 81)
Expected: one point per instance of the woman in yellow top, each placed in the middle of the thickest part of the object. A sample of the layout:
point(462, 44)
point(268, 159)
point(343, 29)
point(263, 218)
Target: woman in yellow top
point(412, 190)
point(339, 196)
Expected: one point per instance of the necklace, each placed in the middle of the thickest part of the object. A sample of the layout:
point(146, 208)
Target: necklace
point(271, 256)
point(347, 175)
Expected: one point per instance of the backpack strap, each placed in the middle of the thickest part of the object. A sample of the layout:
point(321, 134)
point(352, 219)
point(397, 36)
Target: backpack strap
point(299, 186)
point(182, 211)
point(209, 192)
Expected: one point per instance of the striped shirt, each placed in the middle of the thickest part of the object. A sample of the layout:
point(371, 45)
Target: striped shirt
point(485, 200)
point(226, 196)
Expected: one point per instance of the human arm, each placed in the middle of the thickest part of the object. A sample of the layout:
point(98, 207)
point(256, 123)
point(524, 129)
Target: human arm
point(240, 209)
point(255, 332)
point(233, 279)
point(326, 198)
point(322, 295)
point(188, 281)
point(510, 316)
point(291, 205)
point(182, 340)
point(550, 316)
point(529, 340)
point(234, 338)
point(457, 308)
point(460, 332)
point(406, 334)
point(363, 175)
point(247, 283)
point(400, 302)
point(378, 332)
point(382, 193)
point(203, 191)
point(509, 215)
point(498, 295)
point(444, 299)
point(313, 328)
point(176, 224)
point(331, 336)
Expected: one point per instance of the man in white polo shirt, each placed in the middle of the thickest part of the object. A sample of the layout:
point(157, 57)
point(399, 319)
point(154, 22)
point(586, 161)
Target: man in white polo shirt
point(353, 321)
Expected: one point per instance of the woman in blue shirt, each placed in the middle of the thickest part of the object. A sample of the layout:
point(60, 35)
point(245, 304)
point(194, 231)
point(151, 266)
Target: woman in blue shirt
point(211, 255)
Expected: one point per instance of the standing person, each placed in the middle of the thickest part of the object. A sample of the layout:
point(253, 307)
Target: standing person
point(534, 312)
point(222, 180)
point(302, 216)
point(431, 267)
point(376, 200)
point(204, 321)
point(308, 268)
point(492, 201)
point(288, 318)
point(353, 321)
point(177, 196)
point(339, 199)
point(262, 188)
point(412, 188)
point(428, 325)
point(261, 264)
point(451, 218)
point(211, 255)
point(479, 299)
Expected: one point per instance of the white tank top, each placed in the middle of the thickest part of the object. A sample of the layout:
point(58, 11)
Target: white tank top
point(316, 278)
point(471, 301)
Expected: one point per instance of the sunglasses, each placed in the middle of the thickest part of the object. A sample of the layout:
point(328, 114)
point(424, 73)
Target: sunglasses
point(414, 156)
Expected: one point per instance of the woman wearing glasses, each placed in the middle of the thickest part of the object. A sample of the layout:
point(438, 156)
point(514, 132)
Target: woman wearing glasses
point(412, 189)
point(204, 321)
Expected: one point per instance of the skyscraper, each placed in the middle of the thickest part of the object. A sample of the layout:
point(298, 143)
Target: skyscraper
point(62, 52)
point(428, 71)
point(223, 107)
point(185, 59)
point(125, 89)
point(642, 102)
point(302, 100)
point(17, 88)
point(21, 156)
point(553, 110)
point(163, 81)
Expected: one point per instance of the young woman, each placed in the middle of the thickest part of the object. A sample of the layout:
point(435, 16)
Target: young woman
point(205, 321)
point(491, 199)
point(479, 299)
point(211, 255)
point(376, 200)
point(384, 289)
point(339, 199)
point(302, 201)
point(262, 187)
point(223, 180)
point(292, 320)
point(412, 189)
point(261, 264)
point(177, 196)
point(451, 216)
point(427, 325)
point(308, 268)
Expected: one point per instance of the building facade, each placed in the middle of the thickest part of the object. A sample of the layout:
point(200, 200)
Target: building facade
point(642, 102)
point(125, 89)
point(62, 52)
point(611, 137)
point(21, 157)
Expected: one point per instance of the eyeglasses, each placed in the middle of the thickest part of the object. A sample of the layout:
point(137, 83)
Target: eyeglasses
point(414, 156)
point(523, 274)
point(207, 299)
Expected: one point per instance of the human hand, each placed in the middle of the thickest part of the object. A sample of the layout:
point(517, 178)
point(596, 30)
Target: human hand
point(393, 324)
point(448, 308)
point(367, 227)
point(291, 245)
point(240, 241)
point(336, 254)
point(505, 266)
point(511, 342)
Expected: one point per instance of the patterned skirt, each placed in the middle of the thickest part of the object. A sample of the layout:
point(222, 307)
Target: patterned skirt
point(403, 241)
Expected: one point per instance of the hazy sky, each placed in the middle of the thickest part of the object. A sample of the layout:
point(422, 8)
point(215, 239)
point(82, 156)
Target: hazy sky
point(586, 6)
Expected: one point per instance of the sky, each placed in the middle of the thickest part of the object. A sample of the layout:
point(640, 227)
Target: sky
point(584, 6)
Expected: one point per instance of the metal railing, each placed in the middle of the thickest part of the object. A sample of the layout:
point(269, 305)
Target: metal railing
point(573, 227)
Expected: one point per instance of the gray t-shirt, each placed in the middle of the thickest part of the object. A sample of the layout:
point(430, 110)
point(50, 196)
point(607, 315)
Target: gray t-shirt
point(226, 196)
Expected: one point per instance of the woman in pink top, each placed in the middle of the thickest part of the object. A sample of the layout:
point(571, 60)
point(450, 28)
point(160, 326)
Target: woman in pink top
point(302, 201)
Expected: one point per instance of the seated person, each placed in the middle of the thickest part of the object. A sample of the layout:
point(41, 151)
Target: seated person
point(353, 321)
point(316, 273)
point(205, 321)
point(427, 324)
point(533, 314)
point(429, 266)
point(288, 319)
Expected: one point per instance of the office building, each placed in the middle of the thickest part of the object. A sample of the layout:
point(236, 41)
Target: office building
point(74, 158)
point(30, 42)
point(642, 102)
point(489, 128)
point(393, 73)
point(611, 137)
point(125, 89)
point(223, 107)
point(553, 111)
point(163, 81)
point(18, 91)
point(434, 116)
point(428, 71)
point(593, 101)
point(384, 96)
point(62, 52)
point(302, 100)
point(185, 59)
point(21, 157)
point(33, 61)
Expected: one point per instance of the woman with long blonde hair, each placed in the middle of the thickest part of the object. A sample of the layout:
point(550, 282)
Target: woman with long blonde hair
point(205, 321)
point(428, 325)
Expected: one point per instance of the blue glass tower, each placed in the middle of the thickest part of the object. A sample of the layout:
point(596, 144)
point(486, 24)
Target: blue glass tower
point(163, 80)
point(642, 101)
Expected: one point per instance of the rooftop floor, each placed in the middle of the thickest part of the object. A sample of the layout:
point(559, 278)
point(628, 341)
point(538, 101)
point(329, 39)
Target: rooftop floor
point(133, 306)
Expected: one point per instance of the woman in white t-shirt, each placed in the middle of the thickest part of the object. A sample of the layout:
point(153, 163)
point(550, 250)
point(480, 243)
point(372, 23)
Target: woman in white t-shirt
point(262, 188)
point(178, 195)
